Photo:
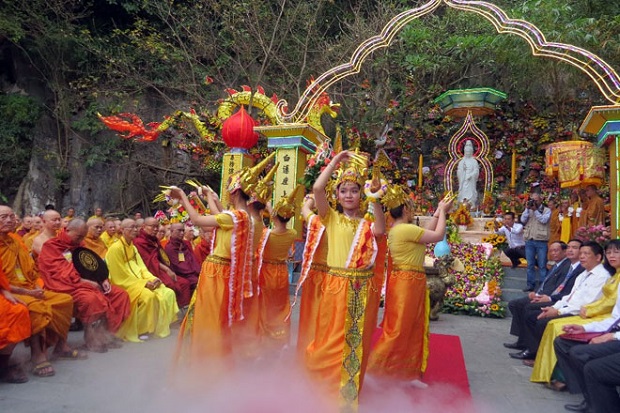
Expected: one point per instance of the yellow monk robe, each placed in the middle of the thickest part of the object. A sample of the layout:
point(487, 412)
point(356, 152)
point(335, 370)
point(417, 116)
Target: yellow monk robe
point(217, 301)
point(151, 311)
point(313, 269)
point(402, 349)
point(555, 226)
point(339, 351)
point(108, 240)
point(50, 315)
point(565, 231)
point(97, 245)
point(247, 332)
point(575, 220)
point(15, 321)
point(274, 286)
point(596, 311)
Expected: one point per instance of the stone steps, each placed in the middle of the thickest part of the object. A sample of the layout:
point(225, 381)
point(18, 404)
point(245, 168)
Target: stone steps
point(513, 283)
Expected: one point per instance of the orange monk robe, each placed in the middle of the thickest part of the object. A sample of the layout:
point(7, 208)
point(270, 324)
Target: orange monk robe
point(555, 226)
point(50, 315)
point(594, 213)
point(15, 321)
point(90, 303)
point(97, 245)
point(28, 239)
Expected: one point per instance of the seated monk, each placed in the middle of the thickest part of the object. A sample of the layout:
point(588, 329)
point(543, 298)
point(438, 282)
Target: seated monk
point(110, 234)
point(93, 239)
point(37, 225)
point(26, 225)
point(158, 262)
point(203, 248)
point(182, 259)
point(14, 326)
point(50, 312)
point(102, 308)
point(153, 305)
point(51, 225)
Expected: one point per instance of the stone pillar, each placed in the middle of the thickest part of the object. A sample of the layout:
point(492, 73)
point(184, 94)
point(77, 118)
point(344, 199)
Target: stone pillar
point(293, 144)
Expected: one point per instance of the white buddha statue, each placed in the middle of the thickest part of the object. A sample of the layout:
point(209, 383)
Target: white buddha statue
point(467, 172)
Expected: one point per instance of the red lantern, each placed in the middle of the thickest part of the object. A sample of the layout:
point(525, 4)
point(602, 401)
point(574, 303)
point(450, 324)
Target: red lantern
point(238, 130)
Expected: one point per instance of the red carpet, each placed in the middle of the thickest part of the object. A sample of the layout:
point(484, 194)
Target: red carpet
point(446, 364)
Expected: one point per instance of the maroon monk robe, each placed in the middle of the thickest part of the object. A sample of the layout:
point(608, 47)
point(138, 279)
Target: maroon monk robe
point(182, 260)
point(152, 254)
point(89, 302)
point(202, 250)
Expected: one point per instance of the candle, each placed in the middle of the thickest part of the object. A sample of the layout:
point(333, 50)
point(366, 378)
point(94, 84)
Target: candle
point(513, 170)
point(420, 164)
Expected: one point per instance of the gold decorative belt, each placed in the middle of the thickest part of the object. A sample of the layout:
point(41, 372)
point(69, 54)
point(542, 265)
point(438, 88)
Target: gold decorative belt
point(350, 272)
point(415, 268)
point(218, 260)
point(319, 267)
point(277, 262)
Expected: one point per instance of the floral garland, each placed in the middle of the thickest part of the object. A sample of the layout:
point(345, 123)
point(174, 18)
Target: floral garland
point(476, 291)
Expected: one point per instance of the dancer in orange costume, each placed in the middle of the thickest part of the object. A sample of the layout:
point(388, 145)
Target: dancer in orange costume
point(340, 348)
point(273, 275)
point(402, 349)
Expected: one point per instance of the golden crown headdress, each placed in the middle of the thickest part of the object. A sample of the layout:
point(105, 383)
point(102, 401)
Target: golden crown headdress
point(395, 196)
point(354, 170)
point(264, 187)
point(287, 205)
point(246, 178)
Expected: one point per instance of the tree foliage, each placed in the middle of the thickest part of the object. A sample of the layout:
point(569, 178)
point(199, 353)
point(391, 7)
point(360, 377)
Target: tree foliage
point(153, 56)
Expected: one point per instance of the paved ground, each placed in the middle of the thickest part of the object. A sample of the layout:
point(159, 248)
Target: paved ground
point(135, 378)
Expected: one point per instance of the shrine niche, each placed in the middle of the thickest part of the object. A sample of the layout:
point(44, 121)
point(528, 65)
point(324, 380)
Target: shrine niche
point(469, 148)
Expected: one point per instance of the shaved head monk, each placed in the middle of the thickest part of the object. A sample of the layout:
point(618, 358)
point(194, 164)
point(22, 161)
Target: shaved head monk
point(158, 262)
point(110, 233)
point(102, 308)
point(51, 225)
point(50, 312)
point(93, 239)
point(181, 255)
point(153, 305)
point(37, 225)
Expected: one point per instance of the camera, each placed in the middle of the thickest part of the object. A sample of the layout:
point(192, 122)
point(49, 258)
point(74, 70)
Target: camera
point(531, 203)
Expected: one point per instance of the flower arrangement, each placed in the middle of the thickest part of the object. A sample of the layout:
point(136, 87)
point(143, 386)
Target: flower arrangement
point(316, 164)
point(596, 233)
point(476, 291)
point(488, 203)
point(462, 216)
point(498, 241)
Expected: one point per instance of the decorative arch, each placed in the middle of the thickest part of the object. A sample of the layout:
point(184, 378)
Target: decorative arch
point(603, 75)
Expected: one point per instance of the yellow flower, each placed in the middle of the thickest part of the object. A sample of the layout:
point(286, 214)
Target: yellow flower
point(472, 278)
point(494, 307)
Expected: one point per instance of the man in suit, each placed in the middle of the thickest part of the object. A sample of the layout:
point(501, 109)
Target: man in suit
point(588, 288)
point(594, 368)
point(558, 283)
